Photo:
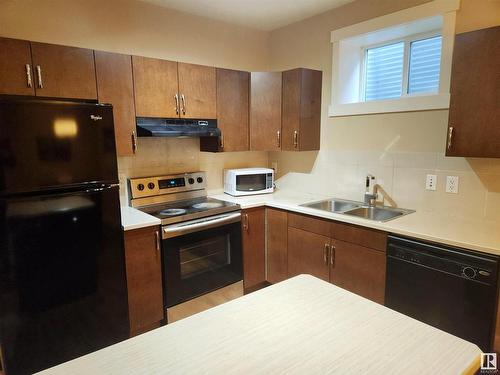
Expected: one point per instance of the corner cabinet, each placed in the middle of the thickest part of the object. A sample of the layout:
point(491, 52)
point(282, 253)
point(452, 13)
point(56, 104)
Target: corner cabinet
point(144, 280)
point(254, 248)
point(474, 117)
point(115, 85)
point(285, 110)
point(301, 113)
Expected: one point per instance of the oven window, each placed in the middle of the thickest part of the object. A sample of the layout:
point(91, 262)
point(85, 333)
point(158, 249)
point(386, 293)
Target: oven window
point(251, 182)
point(204, 256)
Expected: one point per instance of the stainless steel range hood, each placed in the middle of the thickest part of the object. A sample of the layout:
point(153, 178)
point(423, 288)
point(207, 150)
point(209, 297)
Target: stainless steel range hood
point(168, 127)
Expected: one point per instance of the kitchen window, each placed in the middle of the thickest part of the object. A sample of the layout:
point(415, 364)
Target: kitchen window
point(400, 68)
point(399, 62)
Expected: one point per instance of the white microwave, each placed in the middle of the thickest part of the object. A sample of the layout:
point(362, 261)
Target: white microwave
point(248, 181)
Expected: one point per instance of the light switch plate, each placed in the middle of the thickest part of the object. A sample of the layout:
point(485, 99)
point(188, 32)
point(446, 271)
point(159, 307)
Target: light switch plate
point(452, 184)
point(431, 182)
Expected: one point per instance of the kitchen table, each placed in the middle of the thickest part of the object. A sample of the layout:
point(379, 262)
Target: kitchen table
point(300, 326)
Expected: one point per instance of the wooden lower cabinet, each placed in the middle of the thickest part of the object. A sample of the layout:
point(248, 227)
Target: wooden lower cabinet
point(144, 279)
point(254, 247)
point(348, 256)
point(277, 245)
point(308, 253)
point(359, 269)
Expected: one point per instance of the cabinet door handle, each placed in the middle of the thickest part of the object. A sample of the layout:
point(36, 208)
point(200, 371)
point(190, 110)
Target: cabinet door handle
point(332, 255)
point(183, 104)
point(222, 141)
point(295, 139)
point(39, 74)
point(278, 137)
point(325, 253)
point(134, 142)
point(157, 239)
point(245, 222)
point(176, 97)
point(29, 81)
point(450, 137)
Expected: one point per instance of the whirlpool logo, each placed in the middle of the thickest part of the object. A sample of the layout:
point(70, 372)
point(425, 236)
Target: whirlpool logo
point(489, 363)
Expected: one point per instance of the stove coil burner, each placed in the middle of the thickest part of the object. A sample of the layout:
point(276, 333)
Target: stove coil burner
point(207, 205)
point(173, 211)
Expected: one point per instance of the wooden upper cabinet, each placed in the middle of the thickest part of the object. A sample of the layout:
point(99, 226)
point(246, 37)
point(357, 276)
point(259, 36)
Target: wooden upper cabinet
point(277, 245)
point(232, 112)
point(254, 247)
point(16, 73)
point(301, 110)
point(156, 87)
point(474, 116)
point(115, 86)
point(358, 269)
point(308, 253)
point(64, 72)
point(144, 279)
point(197, 91)
point(265, 111)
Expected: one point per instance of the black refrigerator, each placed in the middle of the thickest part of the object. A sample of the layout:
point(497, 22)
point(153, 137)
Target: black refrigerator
point(63, 287)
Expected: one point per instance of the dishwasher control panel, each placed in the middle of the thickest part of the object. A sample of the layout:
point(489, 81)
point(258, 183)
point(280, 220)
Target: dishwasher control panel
point(443, 259)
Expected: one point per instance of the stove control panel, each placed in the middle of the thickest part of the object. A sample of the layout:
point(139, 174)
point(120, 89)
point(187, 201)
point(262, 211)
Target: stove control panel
point(160, 185)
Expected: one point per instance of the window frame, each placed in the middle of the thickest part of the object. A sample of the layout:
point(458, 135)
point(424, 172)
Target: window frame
point(406, 64)
point(346, 95)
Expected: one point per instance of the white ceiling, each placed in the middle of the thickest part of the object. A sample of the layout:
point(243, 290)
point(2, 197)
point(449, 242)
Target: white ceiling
point(257, 14)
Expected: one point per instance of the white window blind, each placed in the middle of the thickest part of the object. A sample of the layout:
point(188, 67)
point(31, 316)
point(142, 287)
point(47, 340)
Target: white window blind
point(390, 73)
point(384, 71)
point(425, 63)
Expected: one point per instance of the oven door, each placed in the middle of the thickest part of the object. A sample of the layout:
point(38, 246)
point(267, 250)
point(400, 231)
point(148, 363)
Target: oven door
point(200, 256)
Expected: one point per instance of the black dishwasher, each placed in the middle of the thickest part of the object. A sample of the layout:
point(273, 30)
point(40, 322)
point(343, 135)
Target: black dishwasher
point(449, 288)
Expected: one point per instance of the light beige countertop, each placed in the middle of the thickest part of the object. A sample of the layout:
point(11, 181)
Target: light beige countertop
point(133, 218)
point(300, 326)
point(477, 235)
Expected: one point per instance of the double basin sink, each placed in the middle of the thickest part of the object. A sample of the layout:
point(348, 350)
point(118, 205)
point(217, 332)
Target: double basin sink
point(358, 209)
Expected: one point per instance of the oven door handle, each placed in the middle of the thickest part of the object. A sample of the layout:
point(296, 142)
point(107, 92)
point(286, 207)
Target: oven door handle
point(198, 225)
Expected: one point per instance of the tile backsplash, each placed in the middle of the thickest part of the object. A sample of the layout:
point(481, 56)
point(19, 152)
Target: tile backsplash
point(336, 173)
point(163, 156)
point(401, 174)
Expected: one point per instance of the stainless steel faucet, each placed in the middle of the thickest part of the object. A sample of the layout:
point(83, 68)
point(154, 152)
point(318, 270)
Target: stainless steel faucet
point(371, 191)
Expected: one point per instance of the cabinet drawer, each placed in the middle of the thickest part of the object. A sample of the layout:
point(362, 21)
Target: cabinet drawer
point(310, 224)
point(371, 238)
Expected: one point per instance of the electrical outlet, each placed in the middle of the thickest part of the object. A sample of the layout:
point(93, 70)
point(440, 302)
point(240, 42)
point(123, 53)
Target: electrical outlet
point(452, 184)
point(431, 182)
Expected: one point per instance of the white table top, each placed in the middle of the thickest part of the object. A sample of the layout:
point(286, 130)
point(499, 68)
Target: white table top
point(300, 326)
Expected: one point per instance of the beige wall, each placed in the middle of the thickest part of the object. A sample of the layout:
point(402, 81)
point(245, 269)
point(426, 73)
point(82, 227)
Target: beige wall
point(399, 148)
point(135, 27)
